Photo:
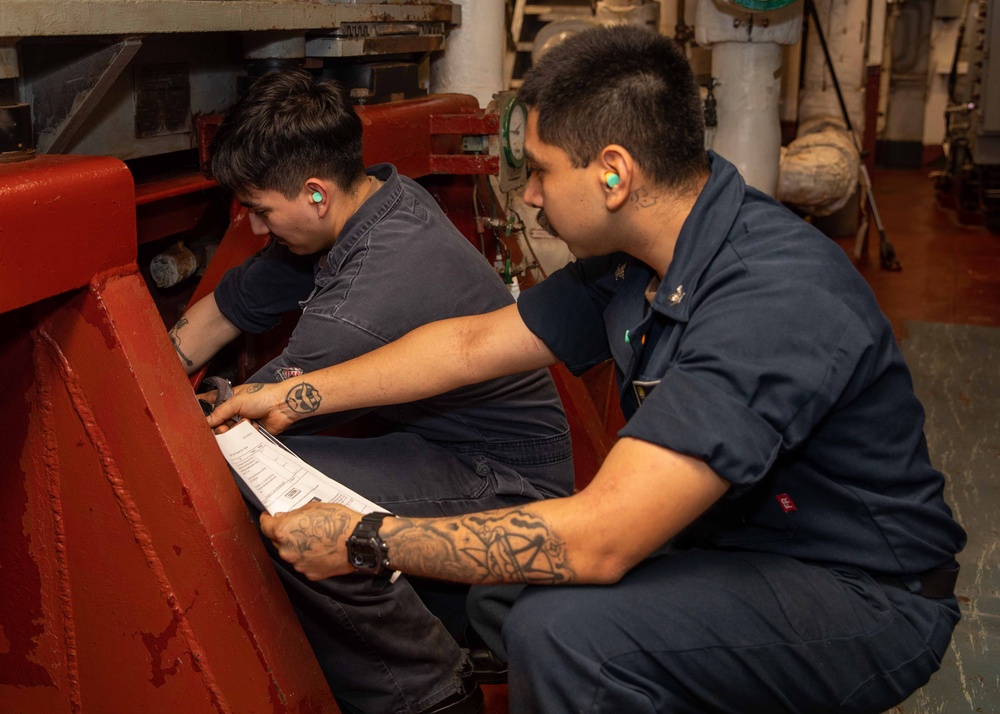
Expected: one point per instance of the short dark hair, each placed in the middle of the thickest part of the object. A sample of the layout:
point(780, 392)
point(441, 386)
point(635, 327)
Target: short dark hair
point(621, 85)
point(286, 128)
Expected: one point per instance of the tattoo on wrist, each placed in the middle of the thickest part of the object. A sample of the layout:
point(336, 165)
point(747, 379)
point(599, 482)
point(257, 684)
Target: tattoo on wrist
point(642, 198)
point(303, 398)
point(513, 547)
point(176, 340)
point(254, 388)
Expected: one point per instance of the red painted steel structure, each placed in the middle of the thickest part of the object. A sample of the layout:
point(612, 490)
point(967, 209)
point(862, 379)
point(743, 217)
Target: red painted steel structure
point(130, 573)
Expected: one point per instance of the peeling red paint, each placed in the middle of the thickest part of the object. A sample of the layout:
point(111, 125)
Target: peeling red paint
point(275, 695)
point(21, 617)
point(130, 511)
point(157, 646)
point(93, 315)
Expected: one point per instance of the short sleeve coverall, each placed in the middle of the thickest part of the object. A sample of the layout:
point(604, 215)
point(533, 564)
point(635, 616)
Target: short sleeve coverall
point(764, 353)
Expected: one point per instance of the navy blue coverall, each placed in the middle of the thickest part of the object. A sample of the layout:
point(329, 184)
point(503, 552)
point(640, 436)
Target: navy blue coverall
point(764, 353)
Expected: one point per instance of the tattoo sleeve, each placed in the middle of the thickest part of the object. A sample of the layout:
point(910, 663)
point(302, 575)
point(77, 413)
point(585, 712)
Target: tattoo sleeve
point(510, 547)
point(175, 338)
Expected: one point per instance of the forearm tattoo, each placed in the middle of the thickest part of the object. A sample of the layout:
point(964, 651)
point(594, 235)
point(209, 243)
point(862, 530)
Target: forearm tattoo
point(303, 398)
point(176, 339)
point(511, 547)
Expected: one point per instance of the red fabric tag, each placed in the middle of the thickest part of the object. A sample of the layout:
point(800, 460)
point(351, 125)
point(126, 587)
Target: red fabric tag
point(284, 373)
point(787, 504)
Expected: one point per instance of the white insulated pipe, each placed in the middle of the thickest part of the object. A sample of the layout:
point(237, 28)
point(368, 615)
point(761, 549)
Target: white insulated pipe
point(472, 62)
point(748, 94)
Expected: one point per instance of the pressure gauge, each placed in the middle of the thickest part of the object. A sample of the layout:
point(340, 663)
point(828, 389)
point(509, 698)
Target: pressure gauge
point(513, 125)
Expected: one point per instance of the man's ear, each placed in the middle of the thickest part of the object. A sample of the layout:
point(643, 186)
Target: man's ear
point(617, 174)
point(317, 192)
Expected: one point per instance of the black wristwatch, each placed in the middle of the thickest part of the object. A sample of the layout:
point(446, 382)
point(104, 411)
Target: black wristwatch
point(366, 551)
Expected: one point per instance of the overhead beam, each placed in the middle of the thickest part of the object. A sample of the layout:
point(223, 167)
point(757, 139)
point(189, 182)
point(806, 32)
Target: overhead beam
point(48, 18)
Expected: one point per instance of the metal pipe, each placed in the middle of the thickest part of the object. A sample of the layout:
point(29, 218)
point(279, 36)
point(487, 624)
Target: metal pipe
point(748, 92)
point(473, 60)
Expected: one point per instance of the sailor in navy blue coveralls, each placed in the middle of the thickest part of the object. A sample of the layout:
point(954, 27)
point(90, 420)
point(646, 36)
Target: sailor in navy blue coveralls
point(763, 352)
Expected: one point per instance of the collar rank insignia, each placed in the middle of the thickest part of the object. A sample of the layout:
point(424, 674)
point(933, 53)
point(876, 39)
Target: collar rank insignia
point(620, 272)
point(677, 295)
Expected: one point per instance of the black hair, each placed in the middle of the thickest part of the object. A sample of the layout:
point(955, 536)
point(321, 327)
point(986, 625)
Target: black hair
point(621, 85)
point(286, 128)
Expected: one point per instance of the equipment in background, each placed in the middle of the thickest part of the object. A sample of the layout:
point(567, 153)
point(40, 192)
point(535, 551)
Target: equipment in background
point(887, 254)
point(970, 181)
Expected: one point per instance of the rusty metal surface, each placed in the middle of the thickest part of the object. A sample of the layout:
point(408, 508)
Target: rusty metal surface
point(465, 123)
point(377, 45)
point(162, 99)
point(132, 575)
point(472, 164)
point(35, 18)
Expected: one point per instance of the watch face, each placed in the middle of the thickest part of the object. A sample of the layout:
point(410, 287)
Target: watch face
point(365, 550)
point(515, 124)
point(364, 553)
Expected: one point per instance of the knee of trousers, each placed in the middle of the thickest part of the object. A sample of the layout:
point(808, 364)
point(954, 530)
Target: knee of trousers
point(544, 626)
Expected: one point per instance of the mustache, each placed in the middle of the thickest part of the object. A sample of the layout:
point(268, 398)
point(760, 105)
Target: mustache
point(543, 223)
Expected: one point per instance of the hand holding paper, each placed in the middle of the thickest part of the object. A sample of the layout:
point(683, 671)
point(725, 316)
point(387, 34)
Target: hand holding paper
point(312, 539)
point(267, 404)
point(323, 512)
point(280, 479)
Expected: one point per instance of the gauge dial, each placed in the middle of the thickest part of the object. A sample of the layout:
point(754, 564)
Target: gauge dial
point(514, 125)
